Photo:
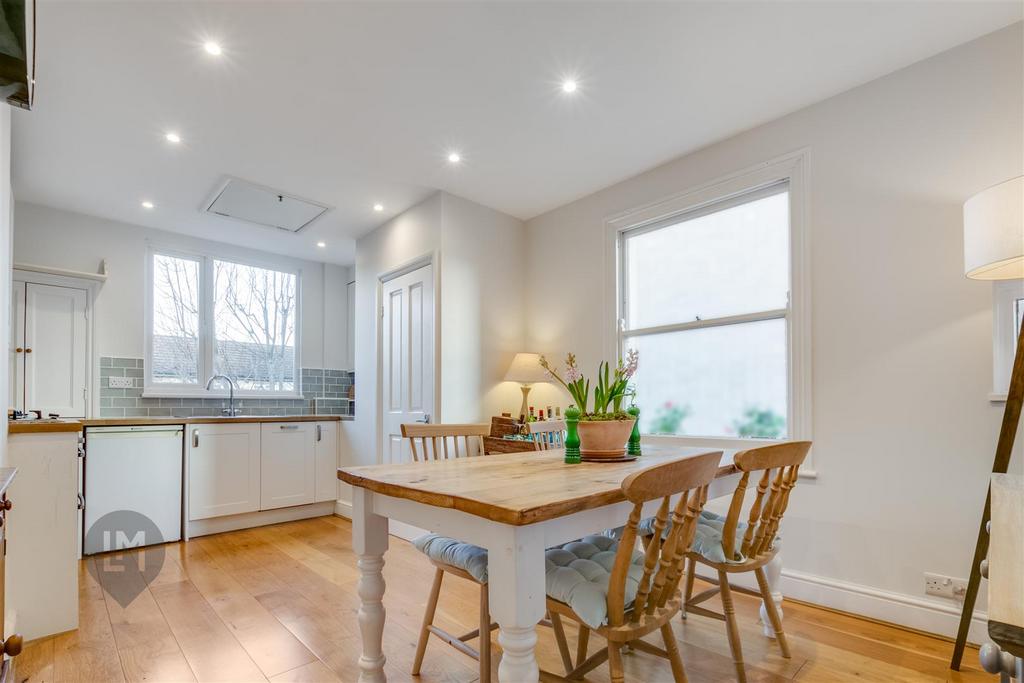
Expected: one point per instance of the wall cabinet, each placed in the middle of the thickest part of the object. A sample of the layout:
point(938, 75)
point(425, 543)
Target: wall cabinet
point(288, 464)
point(327, 461)
point(49, 356)
point(223, 469)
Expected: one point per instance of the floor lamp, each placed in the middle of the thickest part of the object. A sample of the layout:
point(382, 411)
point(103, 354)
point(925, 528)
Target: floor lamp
point(994, 250)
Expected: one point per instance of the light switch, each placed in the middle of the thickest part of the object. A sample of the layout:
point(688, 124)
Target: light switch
point(121, 382)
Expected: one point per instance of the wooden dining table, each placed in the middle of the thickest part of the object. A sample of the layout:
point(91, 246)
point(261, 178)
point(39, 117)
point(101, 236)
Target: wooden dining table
point(515, 506)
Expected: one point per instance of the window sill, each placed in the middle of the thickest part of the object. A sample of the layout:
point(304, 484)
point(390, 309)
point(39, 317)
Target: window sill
point(724, 443)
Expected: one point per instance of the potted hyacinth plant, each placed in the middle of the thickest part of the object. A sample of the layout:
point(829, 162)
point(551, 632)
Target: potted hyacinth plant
point(605, 428)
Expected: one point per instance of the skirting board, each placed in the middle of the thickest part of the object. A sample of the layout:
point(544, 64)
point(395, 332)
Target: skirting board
point(216, 525)
point(895, 608)
point(874, 603)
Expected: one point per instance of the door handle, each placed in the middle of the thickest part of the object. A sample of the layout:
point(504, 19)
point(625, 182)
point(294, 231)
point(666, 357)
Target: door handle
point(425, 419)
point(28, 350)
point(319, 434)
point(195, 438)
point(289, 426)
point(81, 502)
point(18, 350)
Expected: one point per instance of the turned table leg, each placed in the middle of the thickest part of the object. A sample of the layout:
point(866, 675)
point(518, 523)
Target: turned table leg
point(515, 570)
point(370, 541)
point(773, 573)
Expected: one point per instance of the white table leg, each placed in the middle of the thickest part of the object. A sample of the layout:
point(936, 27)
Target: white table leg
point(773, 573)
point(515, 569)
point(370, 541)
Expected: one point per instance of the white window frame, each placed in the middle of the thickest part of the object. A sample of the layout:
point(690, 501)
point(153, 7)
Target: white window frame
point(791, 169)
point(1005, 294)
point(206, 332)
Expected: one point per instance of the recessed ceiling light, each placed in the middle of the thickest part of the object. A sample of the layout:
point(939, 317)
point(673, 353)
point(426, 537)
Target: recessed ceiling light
point(212, 47)
point(569, 85)
point(321, 244)
point(378, 207)
point(147, 204)
point(454, 158)
point(173, 137)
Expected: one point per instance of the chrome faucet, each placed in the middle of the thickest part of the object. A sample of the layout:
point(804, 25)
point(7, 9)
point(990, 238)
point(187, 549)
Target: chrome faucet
point(230, 410)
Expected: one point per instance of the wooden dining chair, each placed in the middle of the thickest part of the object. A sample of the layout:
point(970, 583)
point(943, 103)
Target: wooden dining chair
point(642, 590)
point(746, 547)
point(547, 434)
point(450, 556)
point(431, 441)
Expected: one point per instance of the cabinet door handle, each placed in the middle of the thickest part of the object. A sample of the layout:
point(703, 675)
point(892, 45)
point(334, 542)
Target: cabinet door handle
point(28, 350)
point(18, 350)
point(195, 438)
point(289, 426)
point(319, 435)
point(81, 502)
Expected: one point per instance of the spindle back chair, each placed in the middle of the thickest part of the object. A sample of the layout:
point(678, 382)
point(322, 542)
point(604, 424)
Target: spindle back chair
point(431, 442)
point(658, 598)
point(547, 435)
point(776, 469)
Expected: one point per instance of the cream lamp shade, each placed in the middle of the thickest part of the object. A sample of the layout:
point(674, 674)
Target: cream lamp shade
point(526, 370)
point(994, 232)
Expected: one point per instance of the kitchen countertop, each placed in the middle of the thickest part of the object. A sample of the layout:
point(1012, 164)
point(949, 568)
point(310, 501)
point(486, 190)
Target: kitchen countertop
point(44, 426)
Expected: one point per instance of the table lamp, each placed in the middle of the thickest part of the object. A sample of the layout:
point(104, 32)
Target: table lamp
point(526, 370)
point(994, 250)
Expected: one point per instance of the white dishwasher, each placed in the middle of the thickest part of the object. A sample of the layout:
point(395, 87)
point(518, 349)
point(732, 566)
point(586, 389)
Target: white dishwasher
point(136, 468)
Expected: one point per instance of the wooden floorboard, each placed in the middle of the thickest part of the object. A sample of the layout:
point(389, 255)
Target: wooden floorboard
point(279, 604)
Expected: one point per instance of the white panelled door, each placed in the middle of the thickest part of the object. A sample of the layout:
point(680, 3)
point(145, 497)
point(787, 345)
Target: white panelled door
point(54, 350)
point(17, 348)
point(407, 357)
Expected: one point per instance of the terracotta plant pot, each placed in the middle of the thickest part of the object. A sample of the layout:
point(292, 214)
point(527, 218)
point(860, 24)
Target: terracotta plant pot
point(604, 438)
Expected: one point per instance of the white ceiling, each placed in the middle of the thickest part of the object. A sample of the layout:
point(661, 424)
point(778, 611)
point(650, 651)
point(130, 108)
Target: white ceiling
point(352, 104)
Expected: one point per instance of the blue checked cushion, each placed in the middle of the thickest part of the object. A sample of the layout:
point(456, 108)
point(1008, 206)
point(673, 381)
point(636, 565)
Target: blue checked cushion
point(707, 539)
point(577, 574)
point(466, 556)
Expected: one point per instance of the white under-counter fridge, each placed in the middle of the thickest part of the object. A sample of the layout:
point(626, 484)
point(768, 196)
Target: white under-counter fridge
point(134, 468)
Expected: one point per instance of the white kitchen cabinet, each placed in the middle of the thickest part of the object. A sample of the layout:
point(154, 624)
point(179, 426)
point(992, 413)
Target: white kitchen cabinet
point(326, 461)
point(42, 550)
point(289, 464)
point(223, 469)
point(49, 349)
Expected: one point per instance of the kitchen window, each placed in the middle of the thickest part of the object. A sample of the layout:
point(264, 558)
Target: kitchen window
point(707, 294)
point(210, 316)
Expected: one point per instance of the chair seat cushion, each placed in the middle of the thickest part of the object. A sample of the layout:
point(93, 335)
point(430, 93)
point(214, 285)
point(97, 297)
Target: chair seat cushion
point(707, 539)
point(578, 573)
point(466, 556)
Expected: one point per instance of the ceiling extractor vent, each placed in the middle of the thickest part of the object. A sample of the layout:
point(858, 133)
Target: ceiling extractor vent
point(245, 201)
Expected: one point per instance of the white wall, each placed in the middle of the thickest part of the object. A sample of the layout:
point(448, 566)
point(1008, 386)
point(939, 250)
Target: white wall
point(903, 431)
point(6, 242)
point(479, 252)
point(50, 237)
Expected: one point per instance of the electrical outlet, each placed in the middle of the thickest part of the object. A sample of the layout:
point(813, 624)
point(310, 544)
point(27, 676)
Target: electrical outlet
point(121, 383)
point(945, 586)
